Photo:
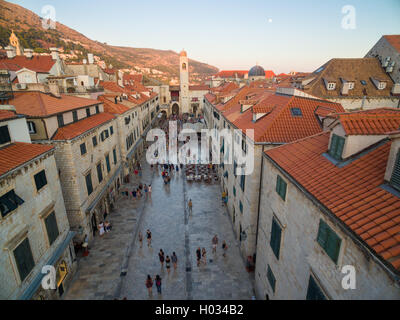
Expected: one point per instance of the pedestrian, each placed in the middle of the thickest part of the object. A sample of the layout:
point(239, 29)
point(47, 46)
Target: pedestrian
point(139, 194)
point(146, 190)
point(198, 253)
point(107, 226)
point(148, 238)
point(134, 194)
point(168, 264)
point(174, 260)
point(158, 283)
point(204, 255)
point(214, 244)
point(161, 256)
point(224, 248)
point(141, 239)
point(150, 190)
point(101, 229)
point(149, 285)
point(190, 205)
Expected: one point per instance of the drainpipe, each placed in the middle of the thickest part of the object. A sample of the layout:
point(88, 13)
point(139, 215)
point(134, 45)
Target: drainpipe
point(259, 193)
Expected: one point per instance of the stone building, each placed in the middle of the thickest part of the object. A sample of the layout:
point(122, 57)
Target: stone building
point(387, 50)
point(330, 204)
point(34, 228)
point(273, 118)
point(356, 84)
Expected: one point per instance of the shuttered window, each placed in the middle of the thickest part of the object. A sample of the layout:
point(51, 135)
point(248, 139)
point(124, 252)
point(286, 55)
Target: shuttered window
point(51, 227)
point(276, 234)
point(4, 135)
point(329, 241)
point(75, 116)
point(281, 187)
point(83, 149)
point(336, 149)
point(9, 202)
point(242, 182)
point(60, 120)
point(271, 278)
point(108, 163)
point(24, 259)
point(115, 156)
point(111, 130)
point(89, 185)
point(40, 180)
point(94, 139)
point(99, 173)
point(314, 292)
point(241, 207)
point(395, 179)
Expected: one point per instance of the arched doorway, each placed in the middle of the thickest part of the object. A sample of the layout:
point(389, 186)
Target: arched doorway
point(195, 108)
point(175, 109)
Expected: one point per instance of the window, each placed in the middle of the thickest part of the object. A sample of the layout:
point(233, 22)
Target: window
point(281, 187)
point(351, 85)
point(115, 156)
point(108, 163)
point(94, 139)
point(31, 127)
point(275, 241)
point(106, 134)
point(51, 227)
point(381, 85)
point(102, 136)
point(97, 110)
point(296, 112)
point(89, 185)
point(244, 146)
point(40, 180)
point(99, 173)
point(395, 179)
point(242, 182)
point(234, 191)
point(363, 82)
point(336, 148)
point(241, 207)
point(4, 135)
point(9, 202)
point(83, 149)
point(331, 86)
point(24, 259)
point(314, 292)
point(329, 241)
point(111, 131)
point(271, 278)
point(60, 120)
point(75, 116)
point(88, 112)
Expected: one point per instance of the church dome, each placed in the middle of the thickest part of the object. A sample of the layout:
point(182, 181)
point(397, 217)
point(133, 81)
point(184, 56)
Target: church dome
point(257, 71)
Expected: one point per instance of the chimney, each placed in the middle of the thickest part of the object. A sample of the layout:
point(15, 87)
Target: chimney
point(54, 53)
point(396, 89)
point(90, 58)
point(11, 52)
point(54, 89)
point(84, 61)
point(28, 53)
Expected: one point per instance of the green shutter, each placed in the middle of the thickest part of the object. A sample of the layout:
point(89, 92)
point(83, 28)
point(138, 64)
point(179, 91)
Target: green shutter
point(329, 241)
point(337, 145)
point(271, 278)
point(24, 259)
point(314, 292)
point(276, 234)
point(332, 150)
point(51, 227)
point(89, 185)
point(281, 187)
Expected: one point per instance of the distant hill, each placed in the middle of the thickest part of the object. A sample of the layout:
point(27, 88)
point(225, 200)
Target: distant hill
point(28, 27)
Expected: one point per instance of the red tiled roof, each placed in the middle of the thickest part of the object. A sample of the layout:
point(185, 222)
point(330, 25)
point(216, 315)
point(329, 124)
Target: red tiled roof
point(112, 107)
point(369, 124)
point(269, 74)
point(38, 104)
point(352, 193)
point(394, 41)
point(76, 129)
point(134, 77)
point(7, 115)
point(199, 88)
point(16, 154)
point(41, 64)
point(232, 73)
point(110, 71)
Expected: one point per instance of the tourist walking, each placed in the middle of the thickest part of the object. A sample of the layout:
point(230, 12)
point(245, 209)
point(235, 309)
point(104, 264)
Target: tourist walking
point(161, 256)
point(190, 205)
point(141, 239)
point(148, 238)
point(158, 283)
point(214, 244)
point(134, 194)
point(146, 190)
point(101, 229)
point(198, 253)
point(174, 260)
point(150, 191)
point(224, 248)
point(204, 255)
point(168, 264)
point(149, 285)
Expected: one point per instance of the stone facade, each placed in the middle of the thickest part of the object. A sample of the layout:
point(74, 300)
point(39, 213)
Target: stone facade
point(301, 257)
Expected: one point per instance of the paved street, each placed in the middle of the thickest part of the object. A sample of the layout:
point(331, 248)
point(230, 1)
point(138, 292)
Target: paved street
point(173, 229)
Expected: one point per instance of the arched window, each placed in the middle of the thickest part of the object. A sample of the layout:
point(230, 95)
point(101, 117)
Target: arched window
point(184, 66)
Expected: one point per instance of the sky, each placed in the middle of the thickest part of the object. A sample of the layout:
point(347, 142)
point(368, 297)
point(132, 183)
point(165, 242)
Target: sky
point(283, 36)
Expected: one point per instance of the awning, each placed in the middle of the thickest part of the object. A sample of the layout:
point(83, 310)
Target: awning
point(93, 205)
point(37, 281)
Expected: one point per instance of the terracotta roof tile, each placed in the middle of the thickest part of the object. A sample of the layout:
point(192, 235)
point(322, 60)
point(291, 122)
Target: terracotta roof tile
point(76, 129)
point(16, 154)
point(371, 212)
point(7, 115)
point(42, 64)
point(369, 123)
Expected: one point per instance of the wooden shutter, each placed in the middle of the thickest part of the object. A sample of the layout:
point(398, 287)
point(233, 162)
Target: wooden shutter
point(51, 227)
point(40, 180)
point(108, 163)
point(314, 292)
point(24, 259)
point(322, 234)
point(89, 185)
point(276, 234)
point(332, 150)
point(329, 241)
point(99, 173)
point(395, 179)
point(271, 278)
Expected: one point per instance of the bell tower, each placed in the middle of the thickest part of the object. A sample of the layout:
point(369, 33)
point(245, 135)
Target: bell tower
point(14, 41)
point(184, 82)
